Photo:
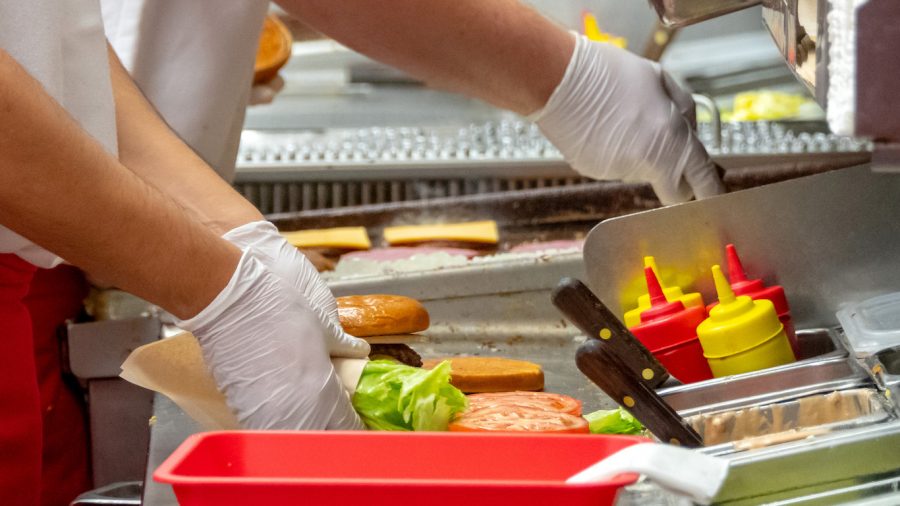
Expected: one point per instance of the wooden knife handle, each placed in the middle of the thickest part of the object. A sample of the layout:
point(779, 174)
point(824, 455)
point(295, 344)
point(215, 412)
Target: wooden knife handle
point(581, 307)
point(660, 39)
point(610, 373)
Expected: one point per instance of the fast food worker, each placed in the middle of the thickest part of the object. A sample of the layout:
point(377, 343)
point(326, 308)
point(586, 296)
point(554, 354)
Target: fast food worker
point(612, 114)
point(90, 174)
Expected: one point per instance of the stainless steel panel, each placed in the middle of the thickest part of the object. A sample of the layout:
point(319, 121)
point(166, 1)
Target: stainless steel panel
point(828, 239)
point(687, 12)
point(116, 494)
point(170, 429)
point(813, 377)
point(97, 349)
point(119, 420)
point(884, 366)
point(799, 30)
point(803, 468)
point(728, 431)
point(828, 370)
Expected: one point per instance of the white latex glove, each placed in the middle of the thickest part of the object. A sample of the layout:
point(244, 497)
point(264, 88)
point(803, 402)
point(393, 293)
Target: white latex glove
point(265, 349)
point(618, 116)
point(265, 93)
point(286, 262)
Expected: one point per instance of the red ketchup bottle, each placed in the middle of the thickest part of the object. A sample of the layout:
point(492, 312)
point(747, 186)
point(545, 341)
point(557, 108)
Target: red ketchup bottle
point(757, 290)
point(669, 331)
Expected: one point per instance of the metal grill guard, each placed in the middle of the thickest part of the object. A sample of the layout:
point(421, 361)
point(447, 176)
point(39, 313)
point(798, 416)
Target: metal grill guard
point(299, 171)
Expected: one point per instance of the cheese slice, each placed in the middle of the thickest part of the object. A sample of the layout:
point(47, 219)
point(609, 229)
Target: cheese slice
point(343, 237)
point(484, 232)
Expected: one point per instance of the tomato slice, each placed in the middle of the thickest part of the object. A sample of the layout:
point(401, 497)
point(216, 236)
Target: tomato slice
point(534, 400)
point(518, 419)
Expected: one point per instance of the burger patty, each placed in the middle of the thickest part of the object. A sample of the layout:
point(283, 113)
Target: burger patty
point(399, 352)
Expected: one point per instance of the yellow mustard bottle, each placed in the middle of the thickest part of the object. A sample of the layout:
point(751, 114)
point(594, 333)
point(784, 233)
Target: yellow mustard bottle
point(741, 334)
point(672, 293)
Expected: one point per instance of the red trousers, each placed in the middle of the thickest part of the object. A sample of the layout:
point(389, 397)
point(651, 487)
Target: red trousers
point(43, 433)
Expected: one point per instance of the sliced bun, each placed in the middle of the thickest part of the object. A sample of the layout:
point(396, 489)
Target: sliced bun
point(381, 315)
point(491, 374)
point(274, 50)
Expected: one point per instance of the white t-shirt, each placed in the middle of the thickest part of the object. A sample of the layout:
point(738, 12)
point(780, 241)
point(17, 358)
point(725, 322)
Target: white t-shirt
point(193, 59)
point(61, 44)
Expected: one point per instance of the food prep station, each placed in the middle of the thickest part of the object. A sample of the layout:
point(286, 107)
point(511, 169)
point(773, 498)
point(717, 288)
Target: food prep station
point(825, 232)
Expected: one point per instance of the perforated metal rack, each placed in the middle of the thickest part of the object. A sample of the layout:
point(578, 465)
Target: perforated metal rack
point(296, 171)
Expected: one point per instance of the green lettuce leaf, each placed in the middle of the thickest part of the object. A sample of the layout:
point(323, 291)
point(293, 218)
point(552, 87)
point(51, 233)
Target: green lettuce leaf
point(613, 421)
point(392, 396)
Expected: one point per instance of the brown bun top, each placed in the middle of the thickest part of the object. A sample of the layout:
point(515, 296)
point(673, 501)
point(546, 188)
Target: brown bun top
point(381, 315)
point(273, 51)
point(491, 374)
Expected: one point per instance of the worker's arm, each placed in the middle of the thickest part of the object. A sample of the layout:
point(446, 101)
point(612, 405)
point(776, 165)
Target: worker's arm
point(612, 115)
point(498, 50)
point(60, 189)
point(152, 151)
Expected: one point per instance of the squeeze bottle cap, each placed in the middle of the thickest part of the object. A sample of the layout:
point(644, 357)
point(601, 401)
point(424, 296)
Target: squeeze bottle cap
point(633, 317)
point(659, 303)
point(671, 292)
point(723, 287)
point(729, 306)
point(737, 274)
point(737, 323)
point(755, 288)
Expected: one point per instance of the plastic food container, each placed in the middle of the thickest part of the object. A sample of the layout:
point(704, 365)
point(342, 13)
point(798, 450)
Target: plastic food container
point(872, 325)
point(384, 468)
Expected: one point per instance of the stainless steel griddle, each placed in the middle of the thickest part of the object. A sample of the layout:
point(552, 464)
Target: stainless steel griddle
point(305, 170)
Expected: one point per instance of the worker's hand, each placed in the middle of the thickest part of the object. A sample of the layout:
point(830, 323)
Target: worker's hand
point(618, 116)
point(265, 93)
point(286, 262)
point(266, 350)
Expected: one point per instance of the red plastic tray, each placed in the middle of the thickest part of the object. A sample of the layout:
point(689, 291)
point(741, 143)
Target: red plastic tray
point(383, 468)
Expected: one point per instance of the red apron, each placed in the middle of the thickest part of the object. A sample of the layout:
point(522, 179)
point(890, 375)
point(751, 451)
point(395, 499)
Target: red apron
point(43, 438)
point(57, 295)
point(20, 399)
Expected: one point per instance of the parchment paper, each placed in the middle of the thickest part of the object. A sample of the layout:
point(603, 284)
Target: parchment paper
point(175, 368)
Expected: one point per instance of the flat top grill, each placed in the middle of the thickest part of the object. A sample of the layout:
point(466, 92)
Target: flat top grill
point(497, 142)
point(322, 169)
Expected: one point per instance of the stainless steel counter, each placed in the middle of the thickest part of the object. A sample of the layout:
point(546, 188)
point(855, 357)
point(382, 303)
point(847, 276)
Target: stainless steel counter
point(171, 426)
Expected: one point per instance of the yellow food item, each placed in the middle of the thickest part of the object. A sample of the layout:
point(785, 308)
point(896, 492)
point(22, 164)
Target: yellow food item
point(768, 106)
point(274, 50)
point(592, 31)
point(483, 232)
point(491, 374)
point(339, 238)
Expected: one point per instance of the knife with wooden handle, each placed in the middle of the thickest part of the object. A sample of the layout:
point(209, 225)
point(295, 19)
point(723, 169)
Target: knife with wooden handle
point(608, 370)
point(581, 307)
point(659, 41)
